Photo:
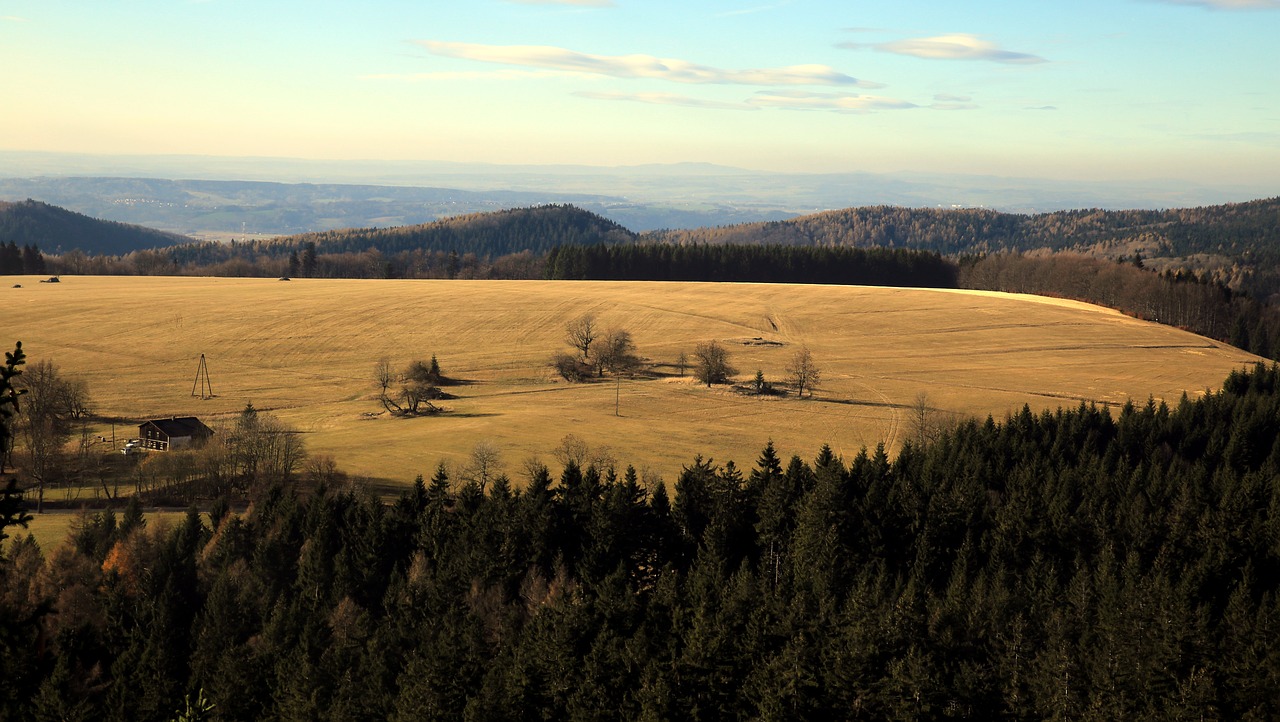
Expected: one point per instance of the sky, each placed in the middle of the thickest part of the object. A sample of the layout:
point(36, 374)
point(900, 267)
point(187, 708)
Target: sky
point(1083, 90)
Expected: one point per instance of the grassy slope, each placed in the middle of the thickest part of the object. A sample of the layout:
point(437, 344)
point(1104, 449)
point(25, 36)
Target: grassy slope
point(305, 349)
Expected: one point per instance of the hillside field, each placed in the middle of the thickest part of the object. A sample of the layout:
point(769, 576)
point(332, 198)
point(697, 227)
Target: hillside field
point(305, 350)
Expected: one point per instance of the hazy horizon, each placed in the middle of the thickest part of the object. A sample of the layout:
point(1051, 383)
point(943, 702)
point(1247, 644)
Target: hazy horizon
point(1126, 91)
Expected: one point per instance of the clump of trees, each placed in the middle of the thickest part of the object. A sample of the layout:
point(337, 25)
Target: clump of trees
point(54, 406)
point(597, 351)
point(409, 392)
point(711, 363)
point(255, 452)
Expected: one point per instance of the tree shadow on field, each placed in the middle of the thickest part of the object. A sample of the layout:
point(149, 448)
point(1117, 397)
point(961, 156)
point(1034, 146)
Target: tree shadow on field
point(859, 402)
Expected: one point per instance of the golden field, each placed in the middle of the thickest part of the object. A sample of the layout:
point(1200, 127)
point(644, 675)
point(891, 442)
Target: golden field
point(305, 350)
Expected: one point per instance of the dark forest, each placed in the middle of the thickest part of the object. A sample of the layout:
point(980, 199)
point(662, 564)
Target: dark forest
point(1084, 563)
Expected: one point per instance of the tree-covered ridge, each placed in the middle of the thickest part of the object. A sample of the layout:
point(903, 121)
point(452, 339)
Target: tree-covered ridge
point(1230, 228)
point(485, 235)
point(1243, 237)
point(751, 263)
point(535, 229)
point(58, 230)
point(1069, 564)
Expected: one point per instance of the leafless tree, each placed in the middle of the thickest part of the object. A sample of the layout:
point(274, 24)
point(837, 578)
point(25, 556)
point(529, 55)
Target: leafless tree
point(262, 449)
point(580, 333)
point(386, 379)
point(576, 451)
point(682, 362)
point(418, 386)
point(571, 449)
point(711, 363)
point(571, 368)
point(616, 353)
point(53, 404)
point(485, 463)
point(803, 372)
point(927, 422)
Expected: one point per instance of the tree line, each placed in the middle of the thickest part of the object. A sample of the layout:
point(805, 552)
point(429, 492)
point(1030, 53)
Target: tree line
point(1246, 235)
point(1082, 563)
point(16, 261)
point(1192, 302)
point(750, 263)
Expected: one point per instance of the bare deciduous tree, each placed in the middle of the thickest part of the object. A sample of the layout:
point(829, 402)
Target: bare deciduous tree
point(580, 333)
point(616, 353)
point(485, 463)
point(262, 449)
point(803, 373)
point(576, 451)
point(711, 363)
point(51, 407)
point(386, 379)
point(927, 422)
point(418, 387)
point(571, 368)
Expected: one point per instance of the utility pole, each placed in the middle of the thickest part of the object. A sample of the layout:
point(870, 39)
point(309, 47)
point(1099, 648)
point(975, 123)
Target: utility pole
point(617, 394)
point(202, 381)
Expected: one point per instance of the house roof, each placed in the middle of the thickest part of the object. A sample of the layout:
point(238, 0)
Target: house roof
point(179, 426)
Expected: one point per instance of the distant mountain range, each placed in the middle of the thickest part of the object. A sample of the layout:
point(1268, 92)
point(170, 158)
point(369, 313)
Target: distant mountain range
point(274, 196)
point(1239, 242)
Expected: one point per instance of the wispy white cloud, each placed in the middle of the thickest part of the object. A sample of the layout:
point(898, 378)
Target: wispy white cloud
point(580, 3)
point(837, 102)
point(1041, 107)
point(640, 66)
point(955, 46)
point(508, 74)
point(1228, 4)
point(849, 103)
point(666, 99)
point(754, 10)
point(946, 101)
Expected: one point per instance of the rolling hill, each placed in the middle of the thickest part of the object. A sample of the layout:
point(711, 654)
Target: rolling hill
point(57, 230)
point(305, 350)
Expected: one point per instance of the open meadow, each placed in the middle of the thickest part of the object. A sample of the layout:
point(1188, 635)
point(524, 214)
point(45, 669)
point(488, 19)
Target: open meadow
point(305, 350)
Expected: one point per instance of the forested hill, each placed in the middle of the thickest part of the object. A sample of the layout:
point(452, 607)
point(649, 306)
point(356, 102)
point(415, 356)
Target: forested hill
point(57, 230)
point(1232, 229)
point(486, 235)
point(536, 229)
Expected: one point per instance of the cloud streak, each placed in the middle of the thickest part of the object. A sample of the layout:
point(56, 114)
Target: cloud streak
point(837, 102)
point(640, 66)
point(665, 99)
point(845, 103)
point(469, 75)
point(955, 46)
point(754, 10)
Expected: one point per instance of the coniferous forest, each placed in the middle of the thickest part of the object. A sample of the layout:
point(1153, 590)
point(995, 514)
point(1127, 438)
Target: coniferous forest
point(1080, 564)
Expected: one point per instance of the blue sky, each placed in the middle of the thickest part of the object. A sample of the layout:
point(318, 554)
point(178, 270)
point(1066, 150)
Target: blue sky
point(1086, 90)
